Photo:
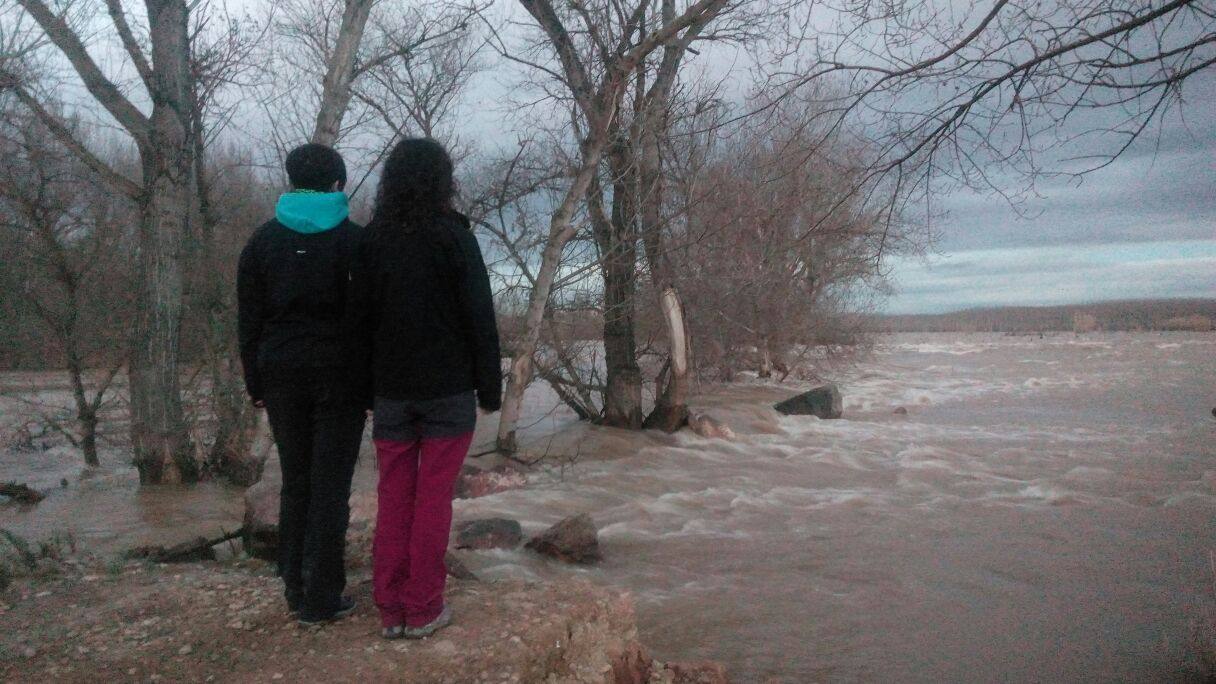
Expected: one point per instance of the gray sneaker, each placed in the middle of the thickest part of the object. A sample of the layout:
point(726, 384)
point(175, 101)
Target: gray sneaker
point(444, 619)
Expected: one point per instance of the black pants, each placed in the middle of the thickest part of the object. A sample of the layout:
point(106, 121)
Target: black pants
point(318, 428)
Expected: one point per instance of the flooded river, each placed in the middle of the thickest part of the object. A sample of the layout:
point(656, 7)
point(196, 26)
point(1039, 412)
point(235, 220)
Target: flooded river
point(1043, 512)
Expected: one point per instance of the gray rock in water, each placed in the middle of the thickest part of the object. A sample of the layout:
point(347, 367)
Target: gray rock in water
point(489, 533)
point(825, 402)
point(474, 482)
point(572, 540)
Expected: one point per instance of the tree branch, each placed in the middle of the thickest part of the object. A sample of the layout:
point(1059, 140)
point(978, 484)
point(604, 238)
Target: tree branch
point(114, 7)
point(64, 135)
point(99, 86)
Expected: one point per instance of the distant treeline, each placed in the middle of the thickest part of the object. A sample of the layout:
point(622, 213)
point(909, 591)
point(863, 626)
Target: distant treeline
point(1152, 314)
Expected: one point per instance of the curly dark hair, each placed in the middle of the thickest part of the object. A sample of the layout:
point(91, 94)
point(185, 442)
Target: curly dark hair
point(416, 184)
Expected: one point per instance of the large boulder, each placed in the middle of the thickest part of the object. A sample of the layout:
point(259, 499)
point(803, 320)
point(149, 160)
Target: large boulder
point(824, 401)
point(262, 519)
point(474, 482)
point(489, 533)
point(573, 540)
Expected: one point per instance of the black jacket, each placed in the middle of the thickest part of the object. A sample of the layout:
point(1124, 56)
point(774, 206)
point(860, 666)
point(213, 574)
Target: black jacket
point(292, 292)
point(422, 298)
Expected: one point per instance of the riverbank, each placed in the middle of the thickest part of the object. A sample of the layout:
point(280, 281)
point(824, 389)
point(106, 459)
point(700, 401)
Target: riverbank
point(227, 622)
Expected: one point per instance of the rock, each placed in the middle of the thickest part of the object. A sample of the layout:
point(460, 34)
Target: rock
point(474, 482)
point(824, 401)
point(457, 568)
point(261, 537)
point(489, 533)
point(572, 540)
point(708, 426)
point(900, 411)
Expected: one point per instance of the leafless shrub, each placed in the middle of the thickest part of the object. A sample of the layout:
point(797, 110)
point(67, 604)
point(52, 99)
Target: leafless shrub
point(73, 267)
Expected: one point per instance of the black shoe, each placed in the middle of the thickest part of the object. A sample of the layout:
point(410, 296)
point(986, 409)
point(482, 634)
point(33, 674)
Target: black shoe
point(346, 606)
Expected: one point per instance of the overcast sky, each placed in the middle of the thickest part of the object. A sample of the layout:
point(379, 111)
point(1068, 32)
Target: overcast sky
point(1145, 226)
point(1142, 227)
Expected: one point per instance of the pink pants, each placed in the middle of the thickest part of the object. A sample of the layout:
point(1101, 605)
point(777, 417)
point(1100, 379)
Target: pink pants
point(413, 522)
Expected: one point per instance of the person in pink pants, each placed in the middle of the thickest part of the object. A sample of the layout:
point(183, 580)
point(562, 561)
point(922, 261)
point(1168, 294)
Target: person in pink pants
point(424, 312)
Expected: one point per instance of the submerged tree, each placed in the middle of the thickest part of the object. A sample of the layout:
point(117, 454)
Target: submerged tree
point(71, 261)
point(591, 52)
point(163, 192)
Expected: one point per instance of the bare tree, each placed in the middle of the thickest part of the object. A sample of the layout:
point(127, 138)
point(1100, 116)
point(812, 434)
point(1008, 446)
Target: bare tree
point(72, 263)
point(163, 195)
point(350, 53)
point(230, 198)
point(593, 63)
point(795, 279)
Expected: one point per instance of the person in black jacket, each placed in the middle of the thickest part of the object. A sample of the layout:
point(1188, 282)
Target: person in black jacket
point(423, 299)
point(300, 365)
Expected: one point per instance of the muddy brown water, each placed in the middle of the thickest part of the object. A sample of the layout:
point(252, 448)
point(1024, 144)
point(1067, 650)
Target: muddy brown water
point(1044, 512)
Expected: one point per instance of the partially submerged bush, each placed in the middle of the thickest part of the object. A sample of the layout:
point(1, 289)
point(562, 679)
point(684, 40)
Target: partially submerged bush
point(21, 558)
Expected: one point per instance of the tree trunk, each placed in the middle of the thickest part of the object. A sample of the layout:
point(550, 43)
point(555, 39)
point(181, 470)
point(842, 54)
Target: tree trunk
point(340, 72)
point(158, 429)
point(561, 229)
point(623, 398)
point(235, 455)
point(766, 359)
point(617, 241)
point(671, 407)
point(86, 417)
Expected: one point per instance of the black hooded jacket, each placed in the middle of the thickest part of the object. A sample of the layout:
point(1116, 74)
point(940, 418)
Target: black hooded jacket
point(421, 297)
point(292, 304)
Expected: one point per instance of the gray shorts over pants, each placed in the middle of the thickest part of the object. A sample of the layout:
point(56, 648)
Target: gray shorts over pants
point(405, 420)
